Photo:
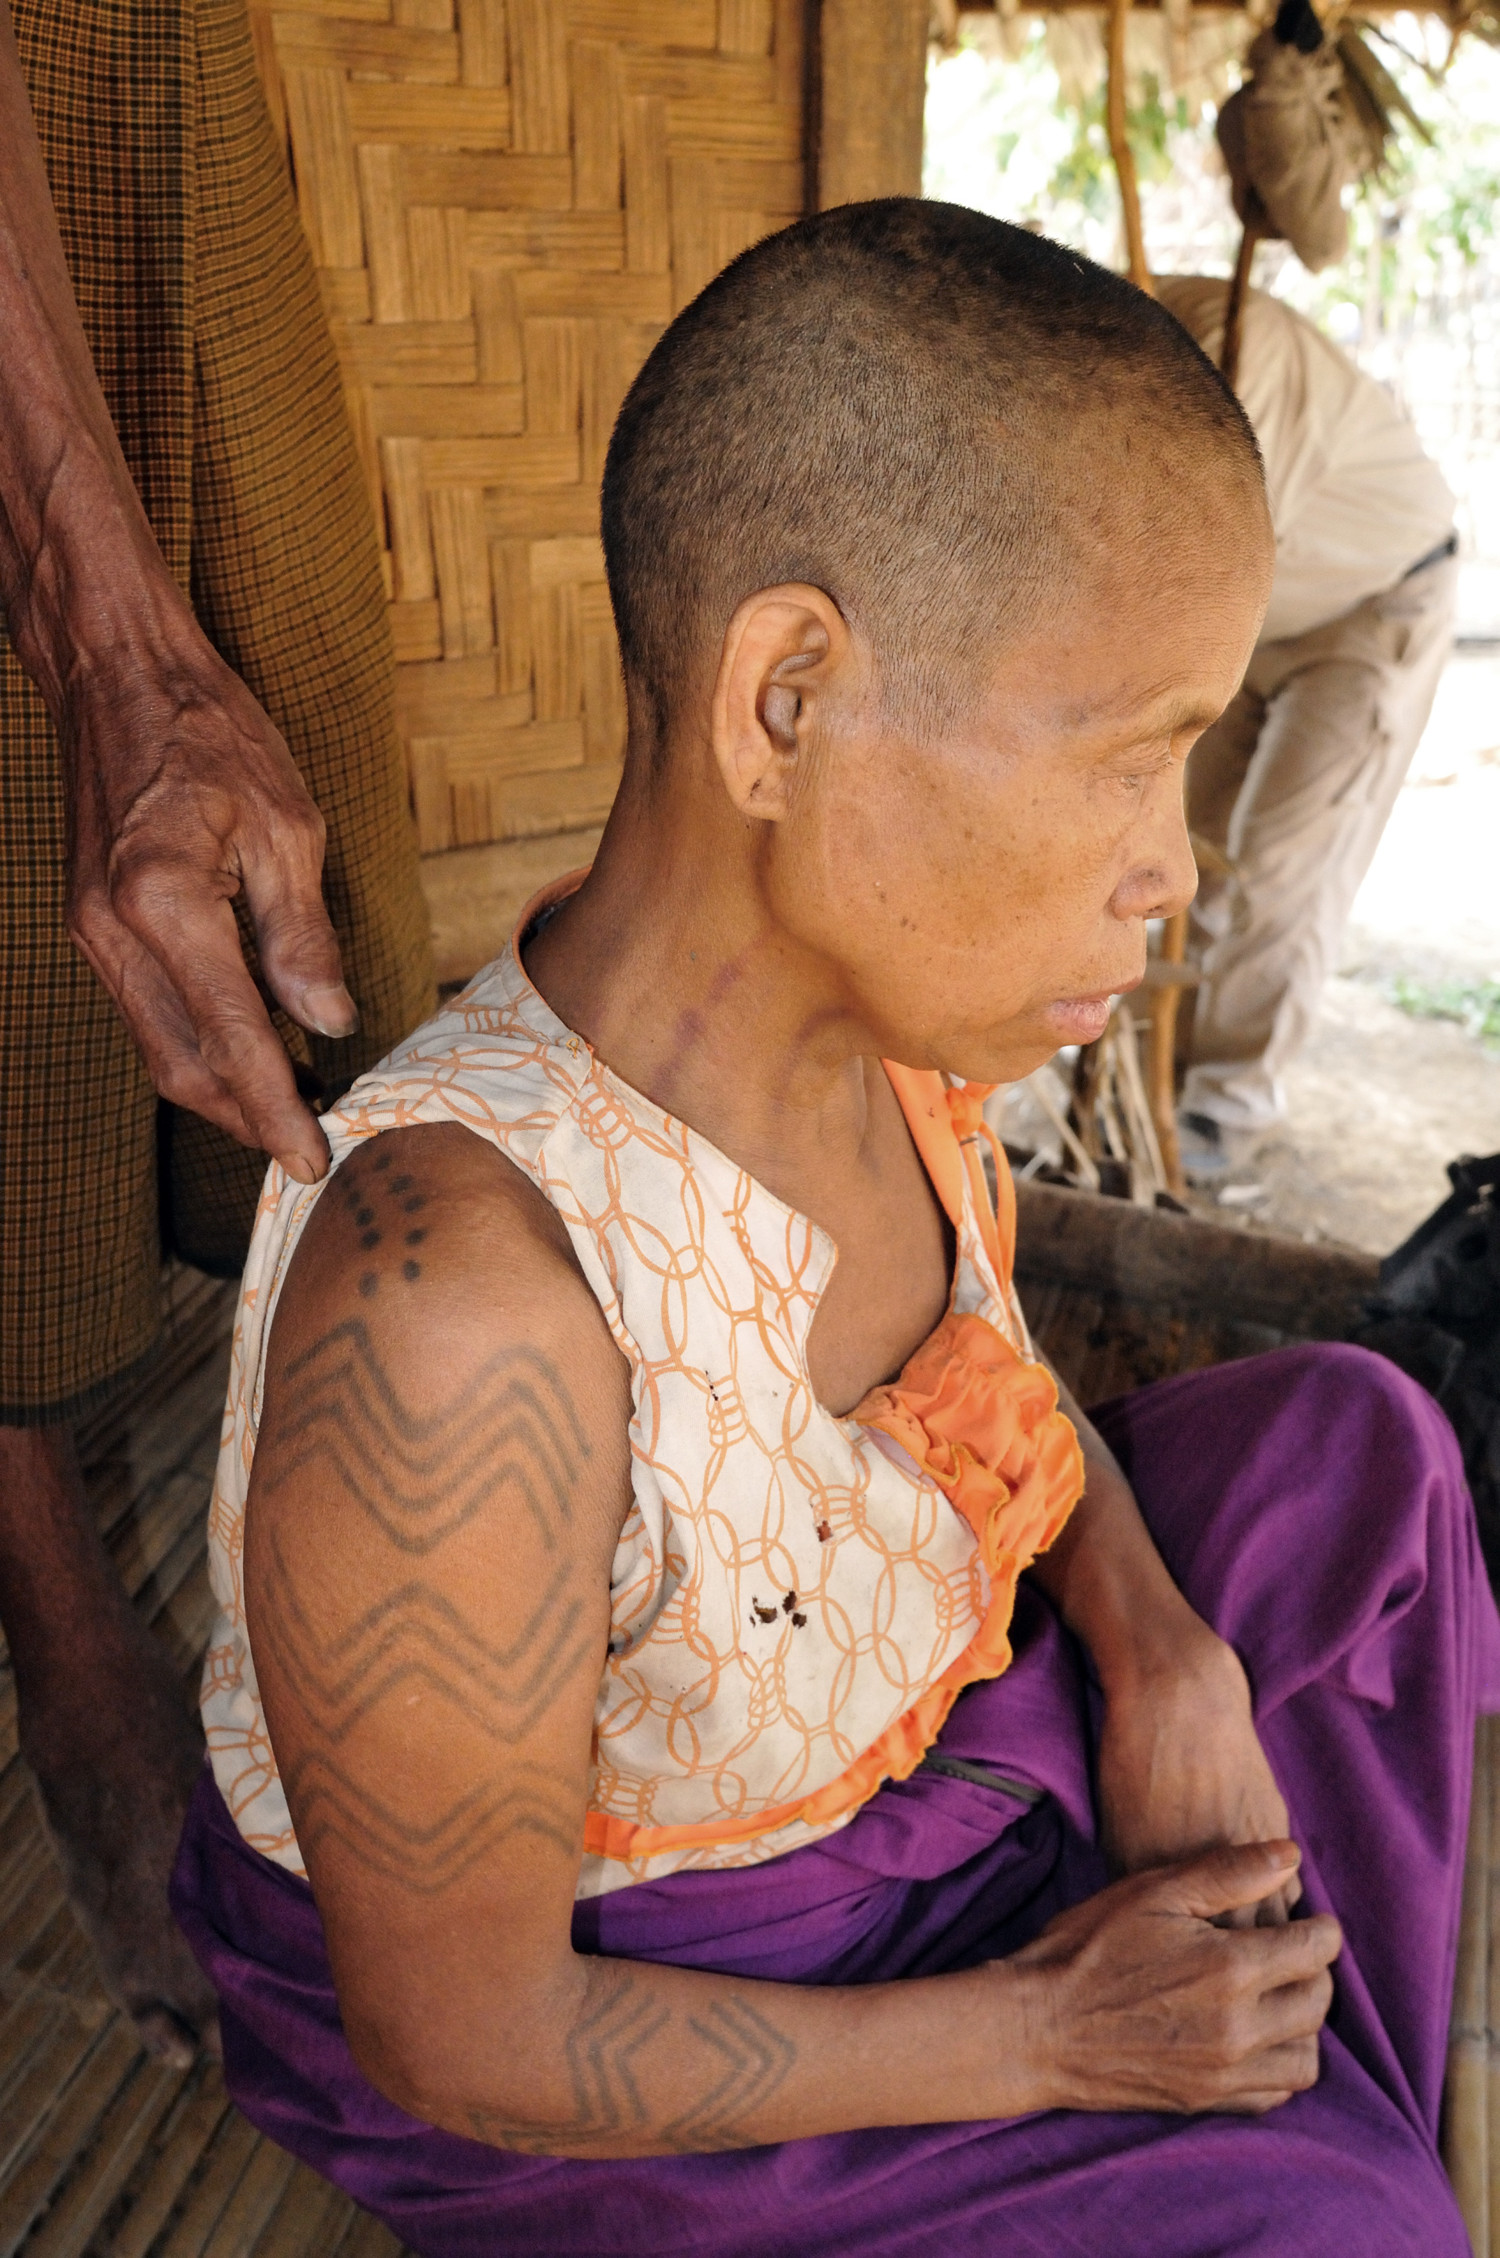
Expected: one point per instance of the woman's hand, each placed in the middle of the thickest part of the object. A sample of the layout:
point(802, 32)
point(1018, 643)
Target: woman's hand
point(1142, 1999)
point(1181, 1768)
point(182, 795)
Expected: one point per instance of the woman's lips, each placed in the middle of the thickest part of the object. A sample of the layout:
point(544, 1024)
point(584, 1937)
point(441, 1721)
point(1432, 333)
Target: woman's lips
point(1083, 1019)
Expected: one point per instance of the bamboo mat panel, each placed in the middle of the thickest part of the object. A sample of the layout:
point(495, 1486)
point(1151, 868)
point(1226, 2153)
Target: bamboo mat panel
point(507, 201)
point(103, 2154)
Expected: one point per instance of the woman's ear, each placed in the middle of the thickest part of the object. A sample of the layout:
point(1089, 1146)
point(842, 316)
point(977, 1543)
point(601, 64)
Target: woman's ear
point(780, 650)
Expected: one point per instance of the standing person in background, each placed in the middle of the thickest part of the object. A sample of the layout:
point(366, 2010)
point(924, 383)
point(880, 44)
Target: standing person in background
point(195, 685)
point(1296, 782)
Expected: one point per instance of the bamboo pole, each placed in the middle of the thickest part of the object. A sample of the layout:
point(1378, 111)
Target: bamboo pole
point(1234, 310)
point(1162, 1068)
point(1467, 2102)
point(1163, 1052)
point(1120, 149)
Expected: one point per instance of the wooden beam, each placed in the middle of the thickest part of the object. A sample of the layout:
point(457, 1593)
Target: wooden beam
point(869, 82)
point(1178, 1262)
point(1121, 151)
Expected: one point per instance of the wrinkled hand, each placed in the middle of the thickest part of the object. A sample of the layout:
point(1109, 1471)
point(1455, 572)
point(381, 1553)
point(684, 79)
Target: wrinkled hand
point(1181, 1769)
point(1149, 1997)
point(181, 795)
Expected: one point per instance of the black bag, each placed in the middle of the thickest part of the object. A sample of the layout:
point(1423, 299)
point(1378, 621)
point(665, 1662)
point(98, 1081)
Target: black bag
point(1437, 1315)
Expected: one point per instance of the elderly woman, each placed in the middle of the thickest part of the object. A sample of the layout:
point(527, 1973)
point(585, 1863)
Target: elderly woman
point(708, 1754)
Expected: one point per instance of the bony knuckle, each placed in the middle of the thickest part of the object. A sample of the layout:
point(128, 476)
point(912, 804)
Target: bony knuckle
point(178, 1085)
point(1240, 2034)
point(308, 819)
point(137, 891)
point(88, 920)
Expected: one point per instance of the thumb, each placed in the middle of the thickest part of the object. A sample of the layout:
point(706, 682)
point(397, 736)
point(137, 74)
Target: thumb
point(1225, 1880)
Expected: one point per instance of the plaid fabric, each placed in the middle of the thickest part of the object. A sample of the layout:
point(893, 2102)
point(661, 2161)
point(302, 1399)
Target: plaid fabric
point(200, 303)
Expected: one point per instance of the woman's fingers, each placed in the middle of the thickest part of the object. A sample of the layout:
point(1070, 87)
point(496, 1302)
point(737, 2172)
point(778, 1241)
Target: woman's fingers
point(1156, 2003)
point(1297, 2011)
point(1237, 1878)
point(152, 909)
point(282, 872)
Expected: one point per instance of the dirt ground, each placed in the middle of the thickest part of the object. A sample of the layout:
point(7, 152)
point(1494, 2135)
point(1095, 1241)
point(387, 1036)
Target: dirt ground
point(1381, 1101)
point(1379, 1104)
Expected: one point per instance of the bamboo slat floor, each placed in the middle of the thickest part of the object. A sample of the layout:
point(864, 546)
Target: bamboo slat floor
point(103, 2155)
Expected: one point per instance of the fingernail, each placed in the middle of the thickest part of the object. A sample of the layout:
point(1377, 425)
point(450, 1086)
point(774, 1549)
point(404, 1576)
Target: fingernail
point(331, 1011)
point(300, 1171)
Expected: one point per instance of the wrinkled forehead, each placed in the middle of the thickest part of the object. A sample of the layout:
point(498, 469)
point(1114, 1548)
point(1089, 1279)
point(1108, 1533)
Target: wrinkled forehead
point(1151, 620)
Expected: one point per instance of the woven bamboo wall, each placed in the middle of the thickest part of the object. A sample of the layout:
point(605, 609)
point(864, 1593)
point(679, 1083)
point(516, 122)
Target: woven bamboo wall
point(507, 200)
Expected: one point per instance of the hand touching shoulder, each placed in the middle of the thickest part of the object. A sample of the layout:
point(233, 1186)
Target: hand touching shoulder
point(441, 1473)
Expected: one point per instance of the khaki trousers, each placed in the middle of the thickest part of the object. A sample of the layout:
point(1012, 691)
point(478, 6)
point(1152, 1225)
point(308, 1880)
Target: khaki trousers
point(1295, 784)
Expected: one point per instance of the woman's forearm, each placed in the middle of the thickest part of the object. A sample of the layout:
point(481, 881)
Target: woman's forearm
point(625, 2058)
point(1108, 1581)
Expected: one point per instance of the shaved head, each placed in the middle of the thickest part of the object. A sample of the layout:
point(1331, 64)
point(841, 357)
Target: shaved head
point(939, 419)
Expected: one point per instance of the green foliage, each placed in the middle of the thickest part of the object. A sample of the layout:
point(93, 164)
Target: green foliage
point(1086, 174)
point(1473, 195)
point(1474, 1004)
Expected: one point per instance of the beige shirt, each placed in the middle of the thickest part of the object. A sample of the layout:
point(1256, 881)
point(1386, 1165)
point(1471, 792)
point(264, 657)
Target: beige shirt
point(1354, 500)
point(795, 1599)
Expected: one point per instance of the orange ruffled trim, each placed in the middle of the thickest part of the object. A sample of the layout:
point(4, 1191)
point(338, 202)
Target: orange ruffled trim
point(983, 1424)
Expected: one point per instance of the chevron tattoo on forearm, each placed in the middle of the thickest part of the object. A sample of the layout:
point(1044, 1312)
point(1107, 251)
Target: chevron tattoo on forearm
point(628, 2041)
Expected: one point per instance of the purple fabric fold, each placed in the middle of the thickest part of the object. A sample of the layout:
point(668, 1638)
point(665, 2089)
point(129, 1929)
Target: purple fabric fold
point(1312, 1506)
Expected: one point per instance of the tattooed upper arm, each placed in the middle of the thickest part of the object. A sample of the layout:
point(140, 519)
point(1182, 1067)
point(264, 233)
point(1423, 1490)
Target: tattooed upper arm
point(440, 1476)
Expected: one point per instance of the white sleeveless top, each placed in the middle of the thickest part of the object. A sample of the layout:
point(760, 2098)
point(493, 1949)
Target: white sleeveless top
point(795, 1597)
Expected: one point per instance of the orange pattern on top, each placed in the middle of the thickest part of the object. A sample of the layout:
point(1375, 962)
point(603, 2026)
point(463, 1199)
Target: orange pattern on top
point(983, 1424)
point(796, 1597)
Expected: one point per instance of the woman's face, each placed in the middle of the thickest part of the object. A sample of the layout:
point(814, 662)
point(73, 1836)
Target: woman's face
point(984, 889)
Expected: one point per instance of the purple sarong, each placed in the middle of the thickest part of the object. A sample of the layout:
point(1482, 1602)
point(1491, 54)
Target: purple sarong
point(1311, 1505)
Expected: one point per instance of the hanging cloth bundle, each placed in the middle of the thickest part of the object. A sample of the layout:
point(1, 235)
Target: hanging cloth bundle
point(1293, 139)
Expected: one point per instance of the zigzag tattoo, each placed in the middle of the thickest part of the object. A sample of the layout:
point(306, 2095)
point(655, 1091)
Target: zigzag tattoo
point(415, 1636)
point(757, 2058)
point(421, 1478)
point(514, 1439)
point(603, 2051)
point(427, 1859)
